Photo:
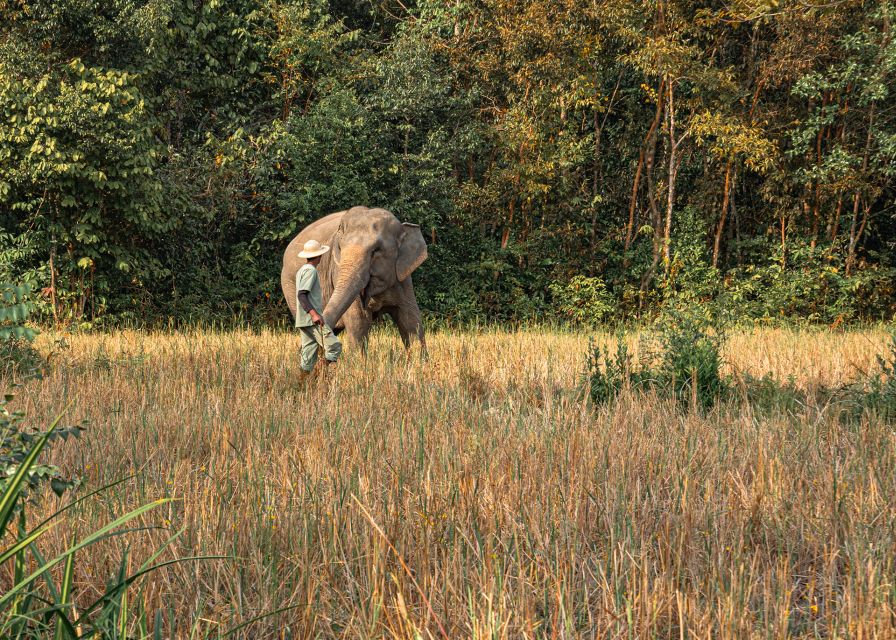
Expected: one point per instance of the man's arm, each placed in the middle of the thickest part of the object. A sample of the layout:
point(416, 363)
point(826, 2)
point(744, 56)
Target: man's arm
point(305, 280)
point(305, 302)
point(306, 305)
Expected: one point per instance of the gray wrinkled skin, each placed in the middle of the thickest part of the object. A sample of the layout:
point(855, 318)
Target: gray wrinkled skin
point(366, 273)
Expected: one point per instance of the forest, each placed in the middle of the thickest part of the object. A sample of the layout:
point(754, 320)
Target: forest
point(577, 160)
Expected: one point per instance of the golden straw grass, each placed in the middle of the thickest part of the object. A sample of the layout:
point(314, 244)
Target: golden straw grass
point(476, 495)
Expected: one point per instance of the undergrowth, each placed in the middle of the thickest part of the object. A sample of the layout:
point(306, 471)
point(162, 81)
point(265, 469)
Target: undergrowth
point(681, 357)
point(39, 599)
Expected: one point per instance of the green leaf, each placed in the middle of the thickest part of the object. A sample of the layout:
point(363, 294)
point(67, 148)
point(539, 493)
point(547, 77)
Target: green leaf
point(89, 540)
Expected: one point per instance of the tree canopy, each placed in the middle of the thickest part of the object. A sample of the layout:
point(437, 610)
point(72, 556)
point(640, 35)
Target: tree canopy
point(156, 156)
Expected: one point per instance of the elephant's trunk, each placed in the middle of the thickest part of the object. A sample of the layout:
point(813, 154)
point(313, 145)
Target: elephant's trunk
point(352, 275)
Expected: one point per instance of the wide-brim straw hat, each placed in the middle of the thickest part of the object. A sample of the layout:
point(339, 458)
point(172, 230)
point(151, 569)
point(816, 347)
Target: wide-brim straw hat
point(312, 249)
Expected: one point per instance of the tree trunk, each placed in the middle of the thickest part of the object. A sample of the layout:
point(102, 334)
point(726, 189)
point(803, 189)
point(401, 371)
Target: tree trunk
point(816, 189)
point(835, 223)
point(853, 235)
point(650, 137)
point(856, 230)
point(783, 243)
point(672, 177)
point(53, 283)
point(597, 174)
point(630, 225)
point(655, 218)
point(505, 236)
point(721, 228)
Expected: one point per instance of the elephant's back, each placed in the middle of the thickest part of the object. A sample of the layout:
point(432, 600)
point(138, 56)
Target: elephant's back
point(321, 230)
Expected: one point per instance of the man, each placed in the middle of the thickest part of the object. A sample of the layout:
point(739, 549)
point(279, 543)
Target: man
point(309, 310)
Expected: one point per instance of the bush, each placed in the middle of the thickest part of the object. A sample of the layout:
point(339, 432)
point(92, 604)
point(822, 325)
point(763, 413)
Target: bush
point(811, 284)
point(17, 441)
point(584, 301)
point(682, 359)
point(691, 357)
point(16, 353)
point(607, 375)
point(878, 392)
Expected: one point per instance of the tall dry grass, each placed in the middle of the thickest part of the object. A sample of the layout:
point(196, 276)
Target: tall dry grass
point(476, 495)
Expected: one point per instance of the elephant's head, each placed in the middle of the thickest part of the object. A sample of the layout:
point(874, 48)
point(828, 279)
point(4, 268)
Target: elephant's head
point(371, 252)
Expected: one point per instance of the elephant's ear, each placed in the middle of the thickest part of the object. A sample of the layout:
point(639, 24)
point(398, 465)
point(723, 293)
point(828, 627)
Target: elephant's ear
point(335, 253)
point(412, 251)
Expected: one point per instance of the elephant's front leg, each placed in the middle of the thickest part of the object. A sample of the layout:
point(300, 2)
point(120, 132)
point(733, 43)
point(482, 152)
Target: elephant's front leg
point(357, 323)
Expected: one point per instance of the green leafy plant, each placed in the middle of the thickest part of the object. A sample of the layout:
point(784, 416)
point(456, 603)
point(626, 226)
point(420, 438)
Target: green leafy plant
point(690, 359)
point(607, 373)
point(681, 358)
point(16, 353)
point(582, 300)
point(14, 311)
point(16, 443)
point(877, 393)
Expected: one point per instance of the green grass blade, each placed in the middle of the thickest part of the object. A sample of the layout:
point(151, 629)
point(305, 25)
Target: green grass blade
point(161, 549)
point(14, 485)
point(157, 626)
point(62, 623)
point(123, 613)
point(59, 607)
point(74, 503)
point(111, 592)
point(19, 568)
point(245, 624)
point(21, 544)
point(48, 579)
point(9, 630)
point(89, 540)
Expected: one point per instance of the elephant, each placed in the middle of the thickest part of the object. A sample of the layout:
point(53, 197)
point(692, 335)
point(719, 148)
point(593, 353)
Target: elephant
point(366, 273)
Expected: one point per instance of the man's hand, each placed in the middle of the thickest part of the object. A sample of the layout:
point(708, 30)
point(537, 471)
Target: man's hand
point(315, 318)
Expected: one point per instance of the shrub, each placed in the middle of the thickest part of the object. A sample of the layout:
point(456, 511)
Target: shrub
point(811, 284)
point(878, 392)
point(583, 300)
point(17, 441)
point(606, 375)
point(691, 357)
point(683, 359)
point(16, 352)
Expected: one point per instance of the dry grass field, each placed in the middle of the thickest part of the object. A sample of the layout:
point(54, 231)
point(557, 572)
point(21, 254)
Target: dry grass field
point(477, 495)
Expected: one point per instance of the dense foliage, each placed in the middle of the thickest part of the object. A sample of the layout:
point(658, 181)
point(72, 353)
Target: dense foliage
point(157, 155)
